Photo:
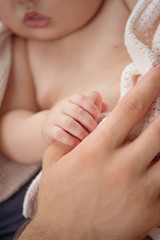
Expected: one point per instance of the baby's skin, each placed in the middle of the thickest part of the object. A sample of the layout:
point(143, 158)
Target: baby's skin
point(73, 118)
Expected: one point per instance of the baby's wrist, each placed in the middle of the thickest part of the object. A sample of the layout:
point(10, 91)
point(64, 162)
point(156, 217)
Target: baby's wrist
point(45, 133)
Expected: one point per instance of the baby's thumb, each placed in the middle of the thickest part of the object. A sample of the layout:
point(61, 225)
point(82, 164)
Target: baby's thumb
point(97, 99)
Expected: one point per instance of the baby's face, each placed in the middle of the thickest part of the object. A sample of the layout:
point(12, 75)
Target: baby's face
point(47, 19)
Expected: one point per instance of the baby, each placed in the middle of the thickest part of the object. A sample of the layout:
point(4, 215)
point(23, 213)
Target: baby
point(59, 48)
point(31, 118)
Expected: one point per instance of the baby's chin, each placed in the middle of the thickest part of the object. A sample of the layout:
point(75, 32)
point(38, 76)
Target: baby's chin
point(41, 35)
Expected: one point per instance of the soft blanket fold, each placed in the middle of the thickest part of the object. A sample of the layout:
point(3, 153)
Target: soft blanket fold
point(12, 174)
point(142, 39)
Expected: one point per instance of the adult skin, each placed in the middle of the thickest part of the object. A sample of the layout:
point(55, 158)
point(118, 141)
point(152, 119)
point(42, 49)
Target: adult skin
point(106, 187)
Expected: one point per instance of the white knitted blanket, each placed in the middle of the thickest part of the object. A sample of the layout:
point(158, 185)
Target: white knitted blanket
point(12, 174)
point(142, 39)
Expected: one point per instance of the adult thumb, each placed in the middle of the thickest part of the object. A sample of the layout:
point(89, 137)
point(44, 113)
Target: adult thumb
point(55, 151)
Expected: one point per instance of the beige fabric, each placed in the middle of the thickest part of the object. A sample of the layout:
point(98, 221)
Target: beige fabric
point(5, 58)
point(142, 38)
point(12, 175)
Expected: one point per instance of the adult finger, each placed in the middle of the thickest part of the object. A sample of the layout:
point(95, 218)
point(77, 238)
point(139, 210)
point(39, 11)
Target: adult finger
point(153, 176)
point(131, 108)
point(55, 151)
point(147, 143)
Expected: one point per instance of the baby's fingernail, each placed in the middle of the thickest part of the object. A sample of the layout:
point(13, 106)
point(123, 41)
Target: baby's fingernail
point(96, 116)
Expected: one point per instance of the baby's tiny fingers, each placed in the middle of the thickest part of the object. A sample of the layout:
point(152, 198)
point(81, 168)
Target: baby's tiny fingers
point(62, 136)
point(85, 103)
point(96, 99)
point(82, 117)
point(71, 126)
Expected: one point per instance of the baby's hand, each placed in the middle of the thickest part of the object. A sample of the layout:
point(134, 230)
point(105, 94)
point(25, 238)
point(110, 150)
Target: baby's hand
point(73, 118)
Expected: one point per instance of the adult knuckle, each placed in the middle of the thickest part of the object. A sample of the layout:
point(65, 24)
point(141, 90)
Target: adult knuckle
point(135, 105)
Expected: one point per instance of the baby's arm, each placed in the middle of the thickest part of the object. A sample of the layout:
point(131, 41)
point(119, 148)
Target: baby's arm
point(20, 122)
point(73, 118)
point(23, 130)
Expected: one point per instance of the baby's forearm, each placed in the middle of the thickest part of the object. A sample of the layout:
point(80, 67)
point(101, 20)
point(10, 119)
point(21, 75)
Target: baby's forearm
point(21, 136)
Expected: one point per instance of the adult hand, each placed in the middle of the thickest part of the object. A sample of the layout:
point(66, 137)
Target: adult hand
point(106, 187)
